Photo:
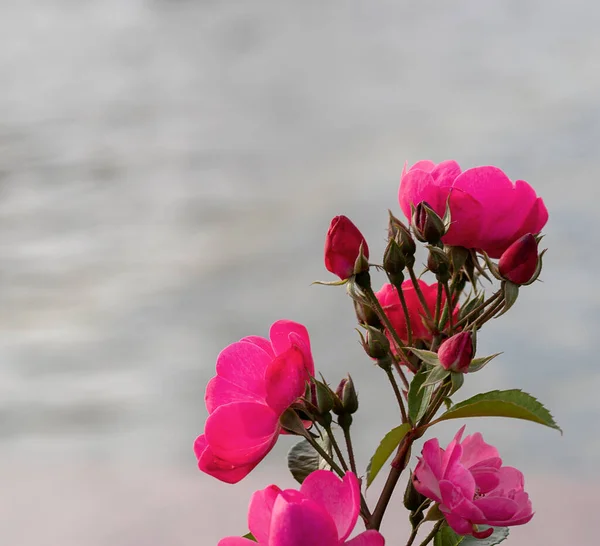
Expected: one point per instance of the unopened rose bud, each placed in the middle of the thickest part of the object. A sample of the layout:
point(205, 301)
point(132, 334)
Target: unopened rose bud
point(438, 262)
point(394, 262)
point(343, 248)
point(519, 261)
point(366, 315)
point(346, 393)
point(401, 234)
point(428, 226)
point(456, 353)
point(412, 498)
point(324, 398)
point(376, 344)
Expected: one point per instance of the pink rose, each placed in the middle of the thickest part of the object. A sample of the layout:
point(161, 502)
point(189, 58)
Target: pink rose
point(342, 247)
point(472, 487)
point(257, 380)
point(322, 513)
point(390, 301)
point(488, 211)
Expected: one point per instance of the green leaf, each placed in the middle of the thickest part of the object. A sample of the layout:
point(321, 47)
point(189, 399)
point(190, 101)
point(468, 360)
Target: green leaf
point(250, 536)
point(418, 398)
point(447, 537)
point(386, 447)
point(478, 363)
point(435, 376)
point(429, 357)
point(512, 403)
point(302, 459)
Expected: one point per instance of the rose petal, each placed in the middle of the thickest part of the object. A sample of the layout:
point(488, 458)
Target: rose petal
point(242, 432)
point(260, 512)
point(340, 498)
point(244, 364)
point(367, 538)
point(300, 522)
point(235, 541)
point(218, 468)
point(261, 342)
point(221, 391)
point(285, 379)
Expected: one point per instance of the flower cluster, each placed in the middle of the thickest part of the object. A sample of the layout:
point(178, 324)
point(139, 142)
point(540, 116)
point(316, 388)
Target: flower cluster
point(423, 335)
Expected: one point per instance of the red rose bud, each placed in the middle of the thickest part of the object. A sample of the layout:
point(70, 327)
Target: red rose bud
point(342, 247)
point(455, 353)
point(346, 393)
point(519, 261)
point(428, 226)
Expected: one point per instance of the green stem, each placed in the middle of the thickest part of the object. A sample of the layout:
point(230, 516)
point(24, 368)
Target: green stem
point(348, 439)
point(431, 535)
point(402, 375)
point(450, 307)
point(478, 309)
point(397, 392)
point(324, 454)
point(374, 302)
point(438, 305)
point(406, 315)
point(398, 465)
point(336, 447)
point(413, 278)
point(489, 314)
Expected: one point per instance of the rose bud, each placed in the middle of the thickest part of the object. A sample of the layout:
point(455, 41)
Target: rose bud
point(346, 393)
point(428, 226)
point(519, 261)
point(343, 246)
point(455, 353)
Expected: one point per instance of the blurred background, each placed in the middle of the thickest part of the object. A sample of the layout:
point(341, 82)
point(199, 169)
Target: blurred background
point(168, 171)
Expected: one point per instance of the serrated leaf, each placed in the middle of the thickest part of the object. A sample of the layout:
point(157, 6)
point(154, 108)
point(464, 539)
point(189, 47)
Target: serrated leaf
point(429, 357)
point(386, 447)
point(435, 376)
point(250, 536)
point(302, 459)
point(499, 535)
point(447, 537)
point(478, 363)
point(418, 398)
point(513, 403)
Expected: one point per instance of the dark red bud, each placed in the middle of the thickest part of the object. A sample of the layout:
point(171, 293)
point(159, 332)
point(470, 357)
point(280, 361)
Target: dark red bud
point(519, 261)
point(455, 353)
point(428, 226)
point(343, 247)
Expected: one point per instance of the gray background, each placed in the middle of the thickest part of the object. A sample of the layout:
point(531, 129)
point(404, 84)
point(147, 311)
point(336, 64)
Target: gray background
point(168, 170)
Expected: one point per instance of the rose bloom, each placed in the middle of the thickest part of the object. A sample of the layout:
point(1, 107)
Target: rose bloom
point(257, 380)
point(488, 211)
point(323, 513)
point(472, 487)
point(390, 301)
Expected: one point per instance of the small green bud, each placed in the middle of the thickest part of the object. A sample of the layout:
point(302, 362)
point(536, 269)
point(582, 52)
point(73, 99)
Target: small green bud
point(366, 315)
point(346, 393)
point(438, 263)
point(376, 344)
point(394, 262)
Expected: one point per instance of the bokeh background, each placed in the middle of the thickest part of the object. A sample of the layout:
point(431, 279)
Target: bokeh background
point(168, 170)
